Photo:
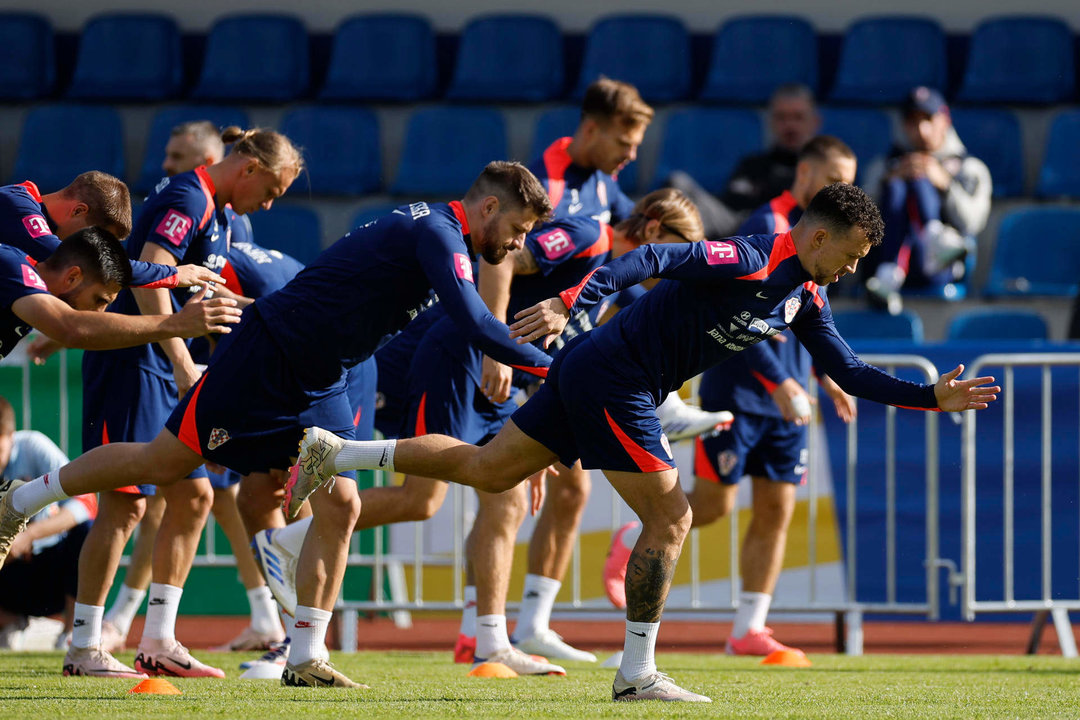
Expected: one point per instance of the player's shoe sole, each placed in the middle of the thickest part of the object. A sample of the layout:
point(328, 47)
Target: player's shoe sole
point(657, 686)
point(278, 568)
point(316, 673)
point(317, 448)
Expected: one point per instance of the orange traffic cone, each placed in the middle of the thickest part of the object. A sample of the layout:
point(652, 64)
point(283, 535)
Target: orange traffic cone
point(156, 686)
point(787, 658)
point(492, 670)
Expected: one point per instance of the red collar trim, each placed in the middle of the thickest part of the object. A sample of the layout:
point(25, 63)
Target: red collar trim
point(32, 189)
point(459, 213)
point(204, 178)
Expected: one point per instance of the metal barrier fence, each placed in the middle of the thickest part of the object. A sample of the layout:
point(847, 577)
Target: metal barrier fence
point(1057, 608)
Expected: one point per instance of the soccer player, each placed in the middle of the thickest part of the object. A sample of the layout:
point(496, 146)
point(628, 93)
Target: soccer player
point(598, 404)
point(765, 386)
point(283, 369)
point(129, 394)
point(250, 272)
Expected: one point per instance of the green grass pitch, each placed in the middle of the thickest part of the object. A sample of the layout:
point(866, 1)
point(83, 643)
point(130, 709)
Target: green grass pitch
point(428, 685)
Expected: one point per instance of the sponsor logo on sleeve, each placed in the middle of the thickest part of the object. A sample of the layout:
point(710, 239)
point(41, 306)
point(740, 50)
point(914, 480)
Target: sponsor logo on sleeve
point(36, 226)
point(555, 244)
point(31, 279)
point(463, 267)
point(720, 253)
point(174, 227)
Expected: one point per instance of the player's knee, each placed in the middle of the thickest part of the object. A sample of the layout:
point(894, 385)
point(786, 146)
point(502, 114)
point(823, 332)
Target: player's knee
point(774, 511)
point(122, 511)
point(570, 497)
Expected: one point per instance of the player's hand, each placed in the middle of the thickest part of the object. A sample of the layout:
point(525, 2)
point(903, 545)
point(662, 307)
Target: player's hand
point(544, 319)
point(495, 380)
point(189, 275)
point(41, 348)
point(200, 316)
point(844, 403)
point(537, 490)
point(957, 395)
point(793, 402)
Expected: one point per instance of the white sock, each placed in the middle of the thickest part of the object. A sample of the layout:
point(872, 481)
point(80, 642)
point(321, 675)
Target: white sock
point(36, 495)
point(536, 603)
point(263, 610)
point(365, 455)
point(491, 635)
point(291, 537)
point(161, 611)
point(287, 623)
point(124, 607)
point(639, 650)
point(468, 615)
point(308, 635)
point(751, 613)
point(86, 630)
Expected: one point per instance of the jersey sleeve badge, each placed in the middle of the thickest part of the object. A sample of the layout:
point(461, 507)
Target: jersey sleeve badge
point(174, 227)
point(720, 253)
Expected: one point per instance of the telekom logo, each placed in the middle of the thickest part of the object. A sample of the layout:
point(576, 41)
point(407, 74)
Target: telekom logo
point(36, 226)
point(720, 253)
point(463, 267)
point(31, 279)
point(555, 244)
point(174, 227)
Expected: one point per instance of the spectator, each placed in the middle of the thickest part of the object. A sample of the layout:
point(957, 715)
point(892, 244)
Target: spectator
point(39, 578)
point(934, 199)
point(793, 120)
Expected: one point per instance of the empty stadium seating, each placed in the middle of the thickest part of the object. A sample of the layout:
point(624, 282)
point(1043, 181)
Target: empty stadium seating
point(382, 57)
point(161, 128)
point(873, 325)
point(340, 146)
point(993, 136)
point(1060, 173)
point(707, 144)
point(650, 51)
point(883, 58)
point(292, 229)
point(446, 148)
point(128, 57)
point(1020, 60)
point(997, 325)
point(260, 58)
point(59, 142)
point(508, 58)
point(29, 67)
point(1037, 253)
point(740, 72)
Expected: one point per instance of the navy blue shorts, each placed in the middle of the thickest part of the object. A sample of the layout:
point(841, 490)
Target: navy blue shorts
point(249, 410)
point(223, 481)
point(360, 383)
point(125, 403)
point(596, 411)
point(444, 399)
point(759, 446)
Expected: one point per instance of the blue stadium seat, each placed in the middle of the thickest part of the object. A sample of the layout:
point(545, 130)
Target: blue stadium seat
point(260, 58)
point(740, 72)
point(707, 144)
point(128, 57)
point(1037, 253)
point(372, 212)
point(651, 52)
point(868, 132)
point(871, 70)
point(1020, 59)
point(446, 148)
point(292, 229)
point(340, 146)
point(1060, 173)
point(993, 136)
point(508, 58)
point(997, 325)
point(161, 129)
point(59, 142)
point(382, 57)
point(563, 121)
point(873, 325)
point(28, 70)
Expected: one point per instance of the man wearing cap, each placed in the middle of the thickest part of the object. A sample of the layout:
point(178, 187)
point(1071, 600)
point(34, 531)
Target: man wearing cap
point(934, 199)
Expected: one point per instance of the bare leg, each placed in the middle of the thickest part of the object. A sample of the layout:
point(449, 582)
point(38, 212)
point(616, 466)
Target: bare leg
point(158, 462)
point(118, 514)
point(326, 546)
point(227, 515)
point(552, 543)
point(258, 501)
point(762, 554)
point(139, 566)
point(490, 546)
point(187, 504)
point(711, 501)
point(415, 499)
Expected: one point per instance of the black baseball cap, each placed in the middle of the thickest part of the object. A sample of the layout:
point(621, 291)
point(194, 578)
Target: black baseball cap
point(924, 100)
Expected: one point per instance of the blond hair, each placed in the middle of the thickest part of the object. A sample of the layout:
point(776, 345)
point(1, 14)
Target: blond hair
point(672, 209)
point(273, 151)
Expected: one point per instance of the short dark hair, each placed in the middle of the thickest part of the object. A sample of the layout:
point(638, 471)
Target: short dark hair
point(107, 199)
point(821, 146)
point(841, 207)
point(609, 100)
point(515, 187)
point(97, 252)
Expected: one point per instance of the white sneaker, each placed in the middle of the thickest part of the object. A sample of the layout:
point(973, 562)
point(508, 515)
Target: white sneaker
point(316, 673)
point(942, 246)
point(252, 639)
point(551, 645)
point(12, 522)
point(681, 421)
point(278, 567)
point(111, 638)
point(95, 662)
point(657, 686)
point(317, 448)
point(278, 654)
point(520, 663)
